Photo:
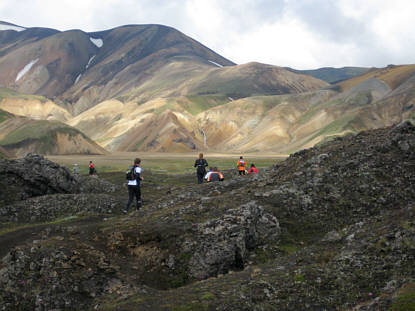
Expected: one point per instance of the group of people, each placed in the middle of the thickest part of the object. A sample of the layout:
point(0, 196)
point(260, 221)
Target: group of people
point(242, 167)
point(134, 177)
point(91, 166)
point(214, 175)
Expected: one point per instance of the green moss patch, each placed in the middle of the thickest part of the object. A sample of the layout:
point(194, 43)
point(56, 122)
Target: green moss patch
point(4, 115)
point(199, 104)
point(38, 129)
point(191, 307)
point(8, 93)
point(405, 300)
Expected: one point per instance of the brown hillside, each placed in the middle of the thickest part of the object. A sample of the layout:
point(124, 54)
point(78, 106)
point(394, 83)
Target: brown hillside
point(392, 75)
point(255, 79)
point(20, 135)
point(35, 109)
point(4, 154)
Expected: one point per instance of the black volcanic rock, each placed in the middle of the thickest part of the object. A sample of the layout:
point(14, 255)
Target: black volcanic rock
point(347, 179)
point(52, 206)
point(220, 245)
point(34, 175)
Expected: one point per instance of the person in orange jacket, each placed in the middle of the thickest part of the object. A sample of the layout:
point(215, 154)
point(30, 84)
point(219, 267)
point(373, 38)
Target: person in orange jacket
point(241, 165)
point(252, 169)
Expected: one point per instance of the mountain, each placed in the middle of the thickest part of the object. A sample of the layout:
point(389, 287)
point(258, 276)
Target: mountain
point(152, 88)
point(20, 135)
point(274, 123)
point(172, 123)
point(133, 62)
point(88, 67)
point(333, 75)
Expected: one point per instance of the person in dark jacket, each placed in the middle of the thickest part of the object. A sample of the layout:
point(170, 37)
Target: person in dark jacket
point(134, 186)
point(200, 165)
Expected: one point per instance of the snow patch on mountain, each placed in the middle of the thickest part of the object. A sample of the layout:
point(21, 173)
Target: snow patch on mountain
point(77, 78)
point(90, 61)
point(26, 69)
point(214, 63)
point(98, 42)
point(86, 67)
point(11, 27)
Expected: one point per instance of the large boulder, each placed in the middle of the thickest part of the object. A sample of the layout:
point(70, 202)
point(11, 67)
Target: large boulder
point(223, 244)
point(34, 175)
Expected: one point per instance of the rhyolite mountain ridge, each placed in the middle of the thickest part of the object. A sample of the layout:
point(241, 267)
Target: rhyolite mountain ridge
point(152, 88)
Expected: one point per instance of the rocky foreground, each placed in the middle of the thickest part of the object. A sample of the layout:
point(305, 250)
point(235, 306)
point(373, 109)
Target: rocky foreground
point(330, 228)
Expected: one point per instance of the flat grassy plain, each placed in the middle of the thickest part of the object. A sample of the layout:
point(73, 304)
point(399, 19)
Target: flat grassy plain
point(164, 163)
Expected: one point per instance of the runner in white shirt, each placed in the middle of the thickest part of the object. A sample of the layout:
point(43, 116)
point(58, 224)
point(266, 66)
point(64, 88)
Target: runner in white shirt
point(134, 186)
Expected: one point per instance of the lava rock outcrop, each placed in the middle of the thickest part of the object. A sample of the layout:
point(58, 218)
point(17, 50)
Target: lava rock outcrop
point(32, 176)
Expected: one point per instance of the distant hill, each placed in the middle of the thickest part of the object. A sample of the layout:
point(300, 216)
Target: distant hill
point(275, 123)
point(20, 135)
point(33, 106)
point(333, 75)
point(392, 75)
point(4, 154)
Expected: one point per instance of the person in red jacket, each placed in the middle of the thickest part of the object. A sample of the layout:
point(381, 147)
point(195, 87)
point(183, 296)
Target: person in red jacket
point(252, 169)
point(91, 168)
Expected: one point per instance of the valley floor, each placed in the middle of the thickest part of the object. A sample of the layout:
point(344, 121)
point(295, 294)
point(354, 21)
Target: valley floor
point(169, 163)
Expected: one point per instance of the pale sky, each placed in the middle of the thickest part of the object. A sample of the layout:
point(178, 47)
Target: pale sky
point(302, 34)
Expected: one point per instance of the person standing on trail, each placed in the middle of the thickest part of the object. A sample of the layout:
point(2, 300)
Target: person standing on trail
point(91, 168)
point(75, 169)
point(200, 165)
point(241, 166)
point(134, 177)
